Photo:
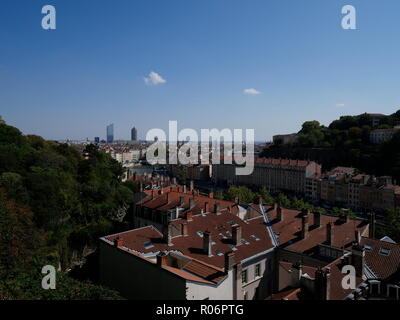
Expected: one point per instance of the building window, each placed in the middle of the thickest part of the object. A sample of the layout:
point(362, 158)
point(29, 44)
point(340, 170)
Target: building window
point(257, 270)
point(244, 276)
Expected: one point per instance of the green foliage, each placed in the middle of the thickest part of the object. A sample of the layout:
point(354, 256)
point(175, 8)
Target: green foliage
point(54, 201)
point(26, 285)
point(244, 194)
point(392, 223)
point(283, 200)
point(266, 196)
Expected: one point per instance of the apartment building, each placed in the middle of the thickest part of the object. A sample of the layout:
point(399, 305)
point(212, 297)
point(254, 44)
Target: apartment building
point(381, 135)
point(345, 186)
point(274, 174)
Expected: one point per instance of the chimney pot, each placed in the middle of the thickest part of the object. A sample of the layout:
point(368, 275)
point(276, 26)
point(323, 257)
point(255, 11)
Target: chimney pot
point(217, 208)
point(207, 243)
point(161, 259)
point(118, 242)
point(279, 213)
point(229, 261)
point(184, 229)
point(317, 219)
point(329, 233)
point(237, 235)
point(192, 203)
point(304, 227)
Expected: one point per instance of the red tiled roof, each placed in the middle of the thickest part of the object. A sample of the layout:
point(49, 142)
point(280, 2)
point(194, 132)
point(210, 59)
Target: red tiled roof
point(384, 266)
point(283, 162)
point(289, 230)
point(336, 289)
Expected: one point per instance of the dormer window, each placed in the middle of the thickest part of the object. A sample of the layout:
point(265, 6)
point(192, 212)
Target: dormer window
point(148, 244)
point(384, 251)
point(368, 247)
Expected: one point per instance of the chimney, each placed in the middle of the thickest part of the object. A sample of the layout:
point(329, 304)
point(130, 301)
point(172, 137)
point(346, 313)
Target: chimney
point(357, 236)
point(237, 235)
point(329, 233)
point(167, 235)
point(304, 227)
point(184, 188)
point(211, 195)
point(191, 185)
point(217, 208)
point(191, 203)
point(297, 271)
point(260, 200)
point(141, 186)
point(279, 214)
point(207, 243)
point(237, 200)
point(343, 218)
point(184, 229)
point(275, 206)
point(118, 242)
point(189, 216)
point(229, 261)
point(181, 201)
point(317, 219)
point(372, 225)
point(357, 259)
point(174, 180)
point(322, 284)
point(206, 208)
point(167, 197)
point(161, 259)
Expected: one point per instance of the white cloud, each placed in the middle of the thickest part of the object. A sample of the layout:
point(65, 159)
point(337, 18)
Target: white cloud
point(154, 79)
point(339, 105)
point(251, 91)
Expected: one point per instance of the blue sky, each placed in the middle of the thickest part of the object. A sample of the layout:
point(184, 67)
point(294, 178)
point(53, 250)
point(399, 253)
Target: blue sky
point(73, 81)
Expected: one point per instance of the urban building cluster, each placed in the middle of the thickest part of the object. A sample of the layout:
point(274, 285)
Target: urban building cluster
point(110, 135)
point(348, 187)
point(189, 245)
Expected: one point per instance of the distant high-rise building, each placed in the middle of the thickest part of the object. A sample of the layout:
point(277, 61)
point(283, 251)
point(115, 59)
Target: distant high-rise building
point(134, 134)
point(96, 139)
point(1, 120)
point(110, 133)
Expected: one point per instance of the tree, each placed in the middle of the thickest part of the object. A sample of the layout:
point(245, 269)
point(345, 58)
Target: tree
point(244, 194)
point(266, 196)
point(392, 224)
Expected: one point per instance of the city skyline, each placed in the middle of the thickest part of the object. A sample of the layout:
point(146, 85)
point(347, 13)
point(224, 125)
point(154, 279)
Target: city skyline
point(192, 68)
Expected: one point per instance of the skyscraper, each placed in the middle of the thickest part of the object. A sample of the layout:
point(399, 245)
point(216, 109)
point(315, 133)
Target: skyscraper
point(134, 134)
point(110, 133)
point(1, 120)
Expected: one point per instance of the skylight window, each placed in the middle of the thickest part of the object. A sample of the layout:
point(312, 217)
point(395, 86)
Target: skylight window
point(233, 248)
point(200, 233)
point(222, 236)
point(368, 247)
point(218, 252)
point(384, 251)
point(244, 241)
point(148, 244)
point(232, 223)
point(255, 237)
